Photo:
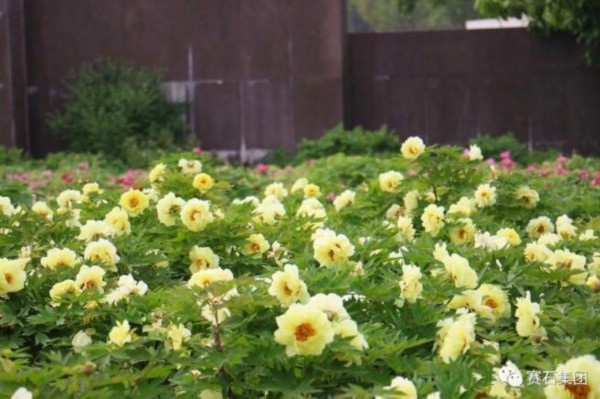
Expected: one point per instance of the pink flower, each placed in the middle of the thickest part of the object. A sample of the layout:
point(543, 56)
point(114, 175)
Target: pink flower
point(48, 173)
point(561, 170)
point(197, 150)
point(331, 196)
point(505, 155)
point(596, 181)
point(67, 178)
point(532, 168)
point(562, 159)
point(85, 166)
point(584, 174)
point(261, 168)
point(491, 161)
point(34, 185)
point(465, 153)
point(508, 163)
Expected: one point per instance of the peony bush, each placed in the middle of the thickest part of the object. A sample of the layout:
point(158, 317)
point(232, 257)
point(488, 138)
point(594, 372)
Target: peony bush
point(430, 274)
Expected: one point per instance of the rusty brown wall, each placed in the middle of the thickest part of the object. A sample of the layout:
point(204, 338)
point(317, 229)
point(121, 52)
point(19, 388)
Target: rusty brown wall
point(262, 72)
point(449, 86)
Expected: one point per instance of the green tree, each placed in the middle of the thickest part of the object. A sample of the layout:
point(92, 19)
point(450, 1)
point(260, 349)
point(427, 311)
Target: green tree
point(399, 15)
point(578, 17)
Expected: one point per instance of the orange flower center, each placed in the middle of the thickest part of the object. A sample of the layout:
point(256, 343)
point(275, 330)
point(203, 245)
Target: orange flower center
point(578, 391)
point(9, 278)
point(134, 202)
point(287, 289)
point(90, 284)
point(491, 303)
point(304, 331)
point(540, 229)
point(254, 247)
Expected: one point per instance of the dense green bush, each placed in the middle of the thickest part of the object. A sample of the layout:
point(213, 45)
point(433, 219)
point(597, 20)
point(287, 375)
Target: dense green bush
point(117, 110)
point(339, 141)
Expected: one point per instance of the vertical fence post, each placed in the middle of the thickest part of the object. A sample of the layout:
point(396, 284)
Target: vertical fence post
point(13, 75)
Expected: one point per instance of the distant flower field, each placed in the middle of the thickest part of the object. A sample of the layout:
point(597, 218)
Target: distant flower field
point(432, 274)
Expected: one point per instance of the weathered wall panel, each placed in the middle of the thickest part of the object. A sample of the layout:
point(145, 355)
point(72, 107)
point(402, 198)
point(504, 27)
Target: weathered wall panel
point(449, 86)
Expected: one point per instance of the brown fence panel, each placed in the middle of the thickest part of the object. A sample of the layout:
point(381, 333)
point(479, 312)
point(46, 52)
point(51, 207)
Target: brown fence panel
point(252, 70)
point(451, 85)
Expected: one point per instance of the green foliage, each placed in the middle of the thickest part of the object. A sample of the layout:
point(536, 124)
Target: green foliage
point(398, 15)
point(355, 142)
point(116, 110)
point(578, 17)
point(238, 356)
point(492, 146)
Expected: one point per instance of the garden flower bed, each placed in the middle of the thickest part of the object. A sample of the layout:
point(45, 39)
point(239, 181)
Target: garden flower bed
point(431, 273)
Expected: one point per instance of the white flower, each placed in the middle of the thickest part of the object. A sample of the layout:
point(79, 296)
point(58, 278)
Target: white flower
point(22, 393)
point(81, 340)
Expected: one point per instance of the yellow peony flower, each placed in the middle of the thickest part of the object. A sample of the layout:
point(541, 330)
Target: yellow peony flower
point(12, 275)
point(496, 299)
point(157, 173)
point(394, 212)
point(299, 184)
point(331, 249)
point(90, 188)
point(304, 330)
point(80, 341)
point(202, 258)
point(460, 272)
point(90, 278)
point(331, 304)
point(196, 215)
point(204, 278)
point(406, 231)
point(268, 211)
point(347, 328)
point(134, 202)
point(433, 219)
point(276, 190)
point(42, 209)
point(311, 191)
point(412, 148)
point(178, 334)
point(536, 252)
point(203, 182)
point(102, 252)
point(118, 220)
point(410, 283)
point(120, 334)
point(311, 208)
point(440, 252)
point(67, 199)
point(59, 290)
point(256, 244)
point(189, 167)
point(411, 201)
point(57, 257)
point(485, 195)
point(390, 181)
point(455, 336)
point(582, 379)
point(288, 287)
point(527, 197)
point(471, 300)
point(510, 235)
point(464, 233)
point(343, 200)
point(527, 314)
point(538, 226)
point(565, 227)
point(587, 235)
point(169, 208)
point(565, 259)
point(465, 206)
point(475, 153)
point(402, 388)
point(95, 229)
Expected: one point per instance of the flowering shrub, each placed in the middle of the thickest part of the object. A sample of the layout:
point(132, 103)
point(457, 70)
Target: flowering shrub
point(418, 275)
